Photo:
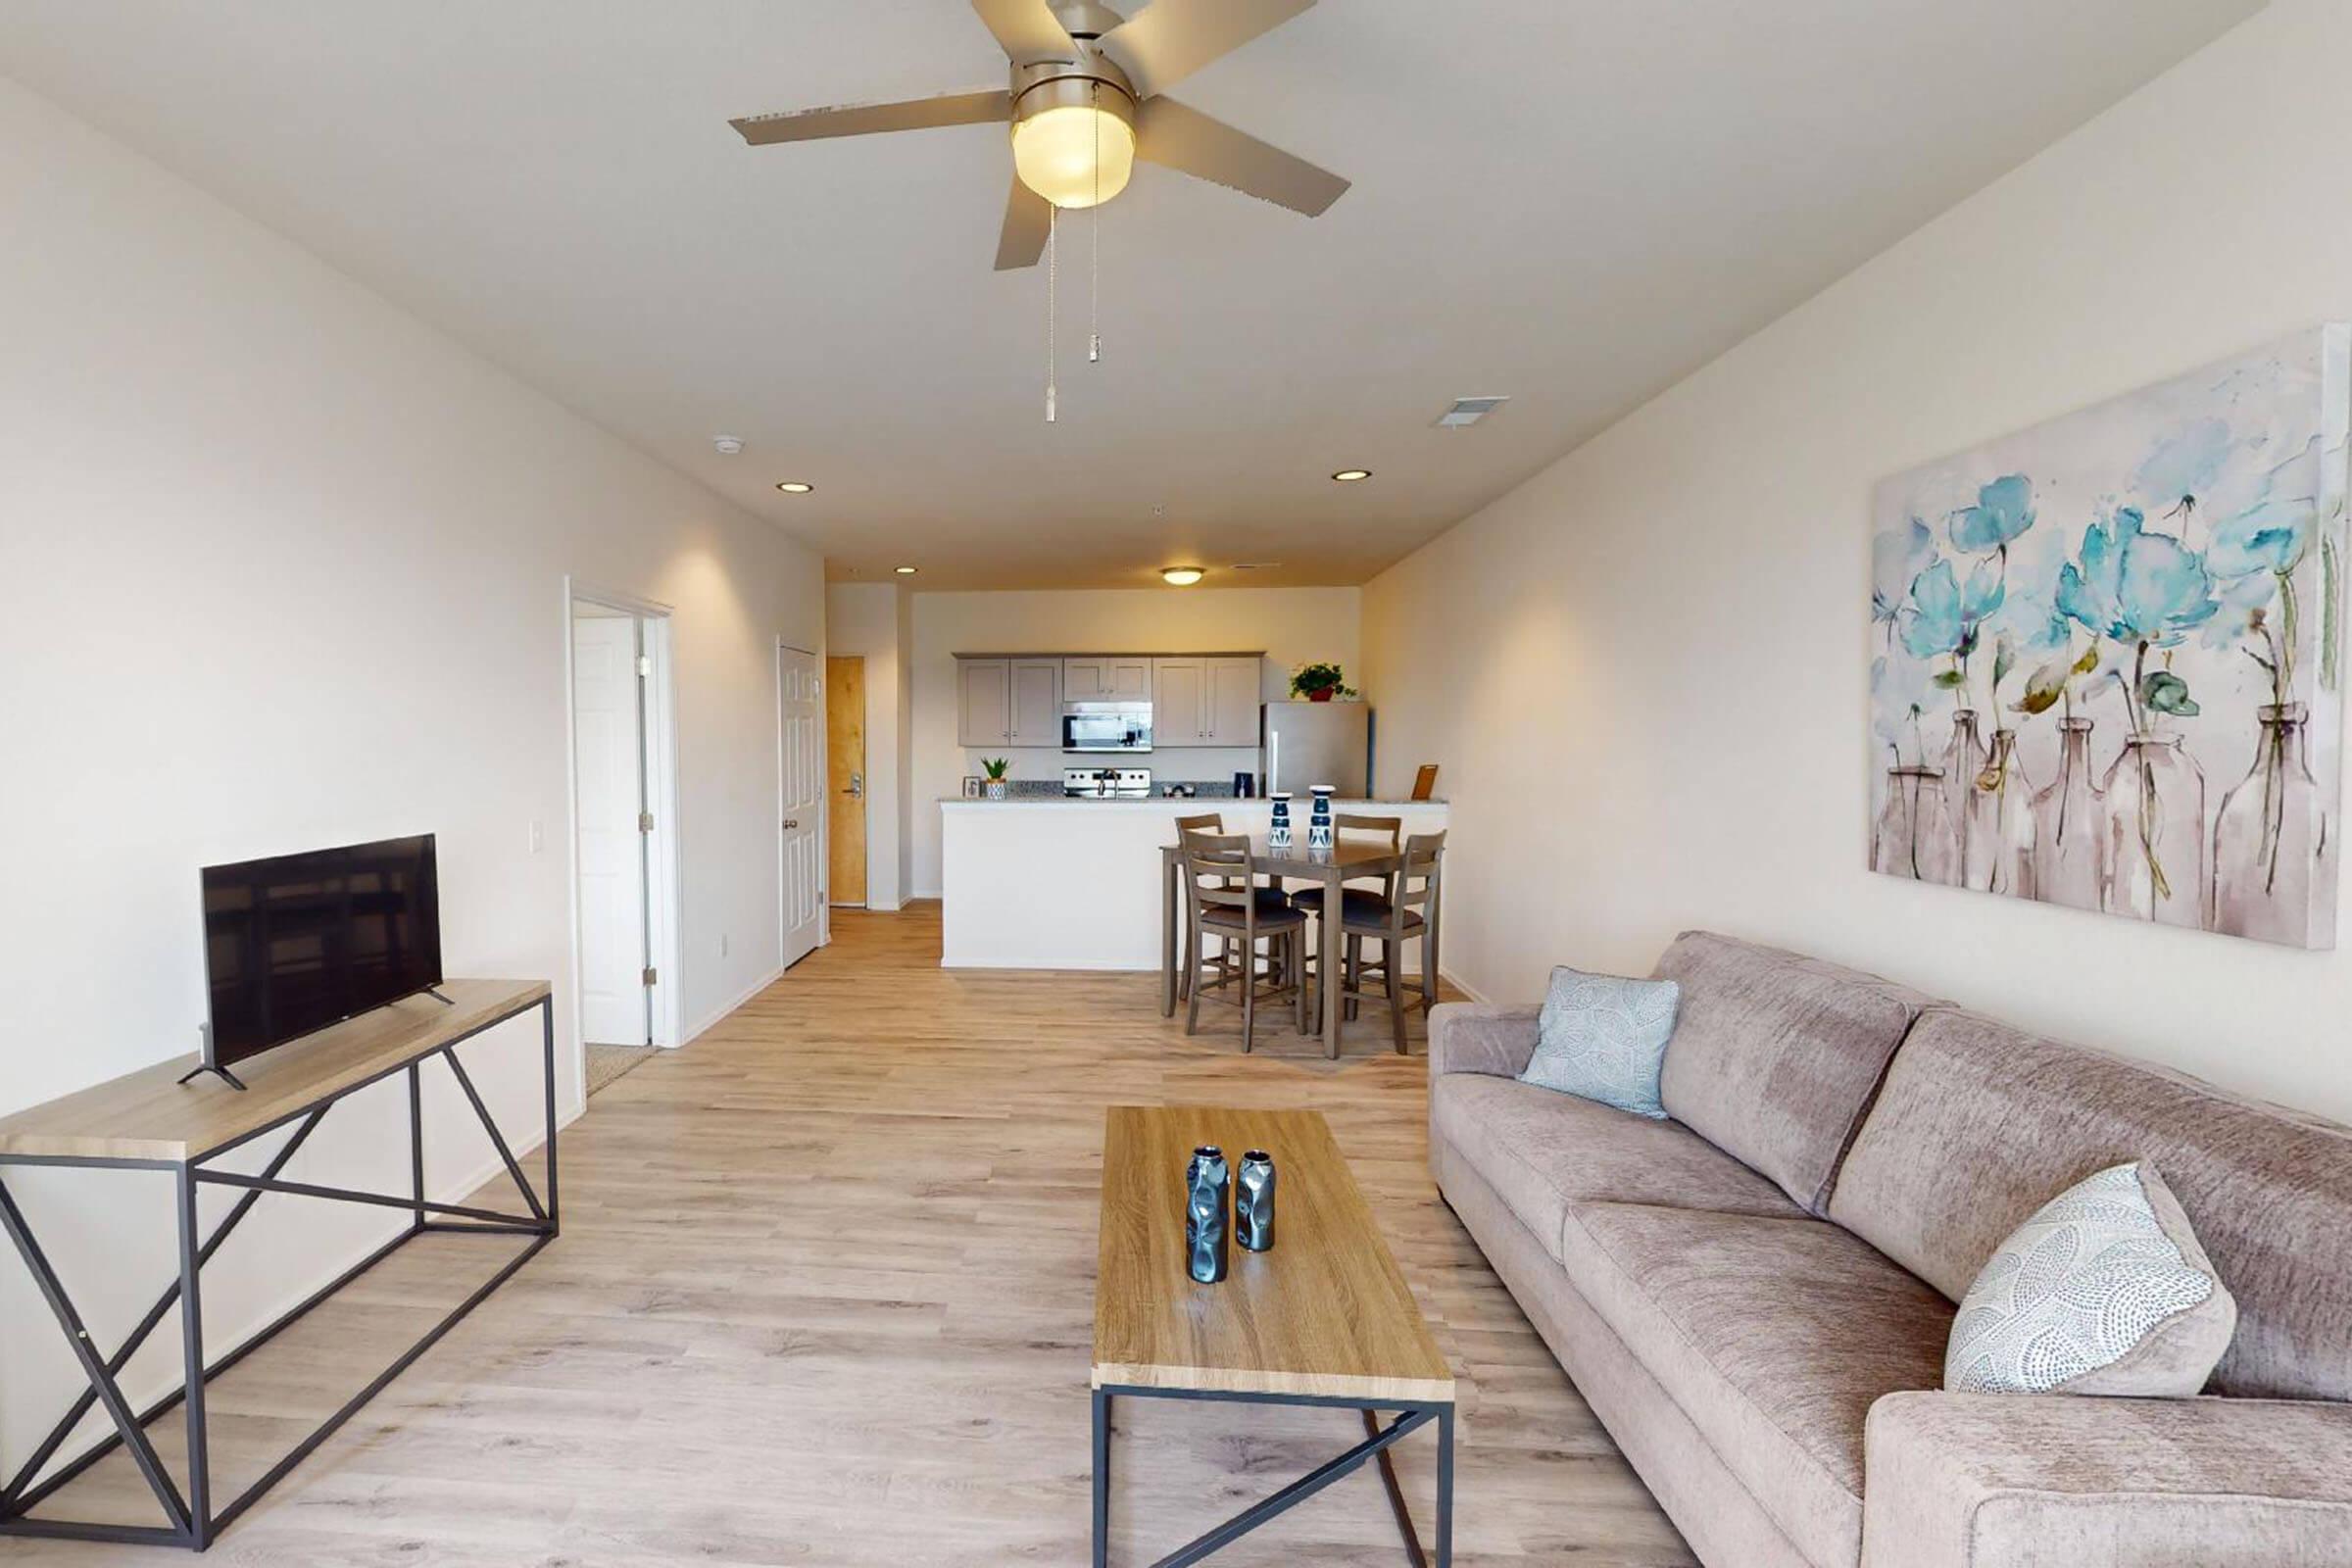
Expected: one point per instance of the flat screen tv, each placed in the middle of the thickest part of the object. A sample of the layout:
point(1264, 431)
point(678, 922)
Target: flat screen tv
point(298, 942)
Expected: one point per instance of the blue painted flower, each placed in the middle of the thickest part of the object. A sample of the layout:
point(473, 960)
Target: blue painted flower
point(2271, 527)
point(2031, 618)
point(1943, 616)
point(1896, 556)
point(2004, 510)
point(2136, 586)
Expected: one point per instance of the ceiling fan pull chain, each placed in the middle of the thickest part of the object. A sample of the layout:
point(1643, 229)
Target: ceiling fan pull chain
point(1093, 235)
point(1053, 267)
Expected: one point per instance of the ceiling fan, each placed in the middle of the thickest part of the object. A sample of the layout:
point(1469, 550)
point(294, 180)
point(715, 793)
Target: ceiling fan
point(1085, 102)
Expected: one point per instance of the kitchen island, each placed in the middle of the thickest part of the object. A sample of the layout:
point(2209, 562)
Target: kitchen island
point(1049, 883)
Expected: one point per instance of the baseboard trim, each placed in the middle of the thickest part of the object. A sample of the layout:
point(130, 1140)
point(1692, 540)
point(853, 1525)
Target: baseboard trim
point(1461, 985)
point(713, 1020)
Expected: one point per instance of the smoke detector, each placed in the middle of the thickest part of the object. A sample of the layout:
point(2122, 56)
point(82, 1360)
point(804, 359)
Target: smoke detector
point(1467, 412)
point(728, 446)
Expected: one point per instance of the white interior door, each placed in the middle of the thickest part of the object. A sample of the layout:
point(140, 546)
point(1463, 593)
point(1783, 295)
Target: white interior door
point(609, 731)
point(801, 722)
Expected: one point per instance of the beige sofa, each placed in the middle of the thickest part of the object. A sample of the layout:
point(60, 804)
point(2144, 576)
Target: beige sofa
point(1754, 1296)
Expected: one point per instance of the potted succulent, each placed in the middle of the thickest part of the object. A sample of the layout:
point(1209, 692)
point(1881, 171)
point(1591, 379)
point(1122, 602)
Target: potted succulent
point(996, 767)
point(1321, 681)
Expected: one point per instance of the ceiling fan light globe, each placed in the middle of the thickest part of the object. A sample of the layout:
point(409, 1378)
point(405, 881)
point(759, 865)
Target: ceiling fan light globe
point(1056, 152)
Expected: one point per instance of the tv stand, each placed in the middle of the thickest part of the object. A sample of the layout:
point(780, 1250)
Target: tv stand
point(434, 991)
point(140, 1122)
point(222, 1073)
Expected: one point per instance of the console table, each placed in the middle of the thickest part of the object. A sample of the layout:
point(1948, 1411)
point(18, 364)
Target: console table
point(148, 1121)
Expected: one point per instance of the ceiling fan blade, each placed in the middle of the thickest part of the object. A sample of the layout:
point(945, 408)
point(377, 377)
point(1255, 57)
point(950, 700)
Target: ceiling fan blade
point(860, 119)
point(1170, 39)
point(1028, 218)
point(1027, 30)
point(1169, 134)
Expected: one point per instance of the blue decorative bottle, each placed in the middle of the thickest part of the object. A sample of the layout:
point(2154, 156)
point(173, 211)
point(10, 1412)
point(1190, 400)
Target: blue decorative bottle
point(1254, 1201)
point(1208, 1184)
point(1318, 824)
point(1278, 836)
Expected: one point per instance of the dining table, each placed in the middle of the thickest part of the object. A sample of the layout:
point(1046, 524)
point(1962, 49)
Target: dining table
point(1349, 861)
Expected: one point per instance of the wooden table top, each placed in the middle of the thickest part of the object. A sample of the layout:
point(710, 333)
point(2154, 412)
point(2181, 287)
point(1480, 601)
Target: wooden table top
point(148, 1114)
point(1352, 857)
point(1325, 1312)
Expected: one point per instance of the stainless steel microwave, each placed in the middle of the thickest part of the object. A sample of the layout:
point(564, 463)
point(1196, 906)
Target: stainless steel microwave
point(1106, 727)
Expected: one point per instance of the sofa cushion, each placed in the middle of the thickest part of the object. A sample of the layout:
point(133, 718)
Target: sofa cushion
point(1774, 1336)
point(2104, 1290)
point(1543, 1150)
point(1980, 1123)
point(1775, 1055)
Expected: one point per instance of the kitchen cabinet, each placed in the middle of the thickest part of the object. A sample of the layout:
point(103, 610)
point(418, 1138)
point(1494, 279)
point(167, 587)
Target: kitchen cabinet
point(1204, 701)
point(1229, 703)
point(1104, 678)
point(982, 701)
point(1178, 702)
point(1036, 719)
point(1009, 701)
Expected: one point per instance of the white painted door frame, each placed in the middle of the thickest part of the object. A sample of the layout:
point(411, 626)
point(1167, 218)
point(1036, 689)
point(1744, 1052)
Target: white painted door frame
point(823, 807)
point(664, 891)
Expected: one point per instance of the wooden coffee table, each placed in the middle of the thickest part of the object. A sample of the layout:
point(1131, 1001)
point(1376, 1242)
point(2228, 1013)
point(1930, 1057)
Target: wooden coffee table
point(1325, 1318)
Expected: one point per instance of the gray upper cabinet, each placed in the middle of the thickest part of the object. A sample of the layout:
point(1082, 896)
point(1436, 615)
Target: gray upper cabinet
point(1036, 717)
point(1106, 678)
point(1230, 703)
point(1179, 701)
point(1197, 699)
point(982, 701)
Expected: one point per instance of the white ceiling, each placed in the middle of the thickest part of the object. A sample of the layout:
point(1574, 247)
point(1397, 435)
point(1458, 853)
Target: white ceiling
point(1573, 202)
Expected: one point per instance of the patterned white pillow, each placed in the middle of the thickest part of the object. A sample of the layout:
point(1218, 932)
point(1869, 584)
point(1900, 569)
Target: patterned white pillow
point(1603, 1038)
point(2103, 1291)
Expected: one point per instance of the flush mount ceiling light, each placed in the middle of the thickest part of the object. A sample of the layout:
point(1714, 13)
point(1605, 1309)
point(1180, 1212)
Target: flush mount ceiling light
point(795, 487)
point(903, 571)
point(1353, 475)
point(1181, 576)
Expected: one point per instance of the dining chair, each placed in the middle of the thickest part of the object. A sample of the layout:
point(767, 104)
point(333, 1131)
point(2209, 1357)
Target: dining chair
point(1200, 822)
point(1222, 898)
point(1310, 900)
point(1408, 913)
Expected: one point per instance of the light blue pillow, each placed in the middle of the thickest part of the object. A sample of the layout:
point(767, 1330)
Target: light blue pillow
point(1604, 1038)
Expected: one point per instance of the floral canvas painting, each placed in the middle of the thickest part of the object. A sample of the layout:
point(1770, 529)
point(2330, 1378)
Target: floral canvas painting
point(2106, 654)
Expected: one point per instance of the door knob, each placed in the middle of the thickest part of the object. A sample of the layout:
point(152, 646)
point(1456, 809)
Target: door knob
point(790, 822)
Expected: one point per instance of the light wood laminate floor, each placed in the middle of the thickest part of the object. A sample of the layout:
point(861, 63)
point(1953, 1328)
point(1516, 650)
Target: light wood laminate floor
point(824, 1296)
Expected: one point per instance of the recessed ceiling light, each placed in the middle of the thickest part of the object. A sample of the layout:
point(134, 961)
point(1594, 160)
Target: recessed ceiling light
point(903, 571)
point(795, 487)
point(1181, 576)
point(1352, 475)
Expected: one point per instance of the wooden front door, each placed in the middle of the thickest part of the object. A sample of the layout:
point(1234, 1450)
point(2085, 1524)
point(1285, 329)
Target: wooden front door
point(844, 762)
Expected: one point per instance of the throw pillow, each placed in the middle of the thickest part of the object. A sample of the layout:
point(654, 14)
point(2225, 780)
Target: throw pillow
point(2103, 1291)
point(1603, 1038)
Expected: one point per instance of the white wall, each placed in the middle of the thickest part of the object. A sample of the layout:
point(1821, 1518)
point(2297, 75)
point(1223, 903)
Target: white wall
point(1292, 625)
point(1644, 670)
point(281, 566)
point(862, 619)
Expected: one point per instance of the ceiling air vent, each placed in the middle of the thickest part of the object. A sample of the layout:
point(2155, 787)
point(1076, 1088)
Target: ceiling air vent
point(1467, 412)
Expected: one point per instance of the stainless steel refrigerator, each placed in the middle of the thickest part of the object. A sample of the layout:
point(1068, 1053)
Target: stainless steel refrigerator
point(1318, 743)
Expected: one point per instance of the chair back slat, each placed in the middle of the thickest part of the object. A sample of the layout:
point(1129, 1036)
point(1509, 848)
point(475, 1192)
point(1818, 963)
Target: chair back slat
point(1204, 822)
point(1424, 864)
point(1390, 828)
point(1211, 864)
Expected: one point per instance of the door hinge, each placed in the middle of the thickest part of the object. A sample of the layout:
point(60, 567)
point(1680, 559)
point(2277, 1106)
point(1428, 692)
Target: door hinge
point(652, 975)
point(645, 666)
point(645, 821)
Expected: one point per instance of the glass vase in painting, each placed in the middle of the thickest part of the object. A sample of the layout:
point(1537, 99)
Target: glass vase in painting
point(2271, 836)
point(2069, 824)
point(2156, 833)
point(1997, 835)
point(1963, 761)
point(1914, 837)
